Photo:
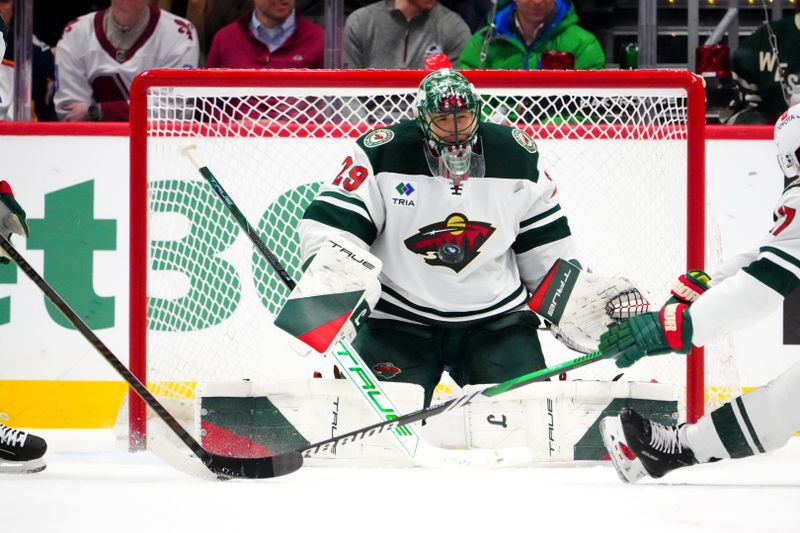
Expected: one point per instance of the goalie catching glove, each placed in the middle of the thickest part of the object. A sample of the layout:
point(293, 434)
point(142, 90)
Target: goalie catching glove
point(12, 218)
point(337, 292)
point(580, 305)
point(669, 330)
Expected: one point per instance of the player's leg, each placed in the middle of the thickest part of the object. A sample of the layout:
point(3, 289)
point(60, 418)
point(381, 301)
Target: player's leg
point(499, 349)
point(758, 422)
point(399, 351)
point(21, 452)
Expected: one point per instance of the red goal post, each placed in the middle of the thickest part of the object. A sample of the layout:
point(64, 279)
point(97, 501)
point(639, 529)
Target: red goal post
point(626, 148)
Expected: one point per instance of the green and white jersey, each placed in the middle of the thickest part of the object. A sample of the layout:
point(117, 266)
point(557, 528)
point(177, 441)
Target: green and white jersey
point(449, 255)
point(757, 69)
point(752, 284)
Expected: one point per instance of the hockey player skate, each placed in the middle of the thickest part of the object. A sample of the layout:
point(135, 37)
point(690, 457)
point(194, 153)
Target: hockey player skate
point(639, 447)
point(21, 452)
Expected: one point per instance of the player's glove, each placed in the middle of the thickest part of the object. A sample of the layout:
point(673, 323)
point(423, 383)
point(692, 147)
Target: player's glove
point(688, 287)
point(669, 330)
point(12, 218)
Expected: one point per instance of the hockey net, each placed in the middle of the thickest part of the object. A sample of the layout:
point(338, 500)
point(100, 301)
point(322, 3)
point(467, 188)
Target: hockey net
point(625, 148)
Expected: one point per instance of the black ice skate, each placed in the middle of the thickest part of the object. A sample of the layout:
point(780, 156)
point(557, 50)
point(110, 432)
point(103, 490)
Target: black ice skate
point(657, 446)
point(21, 452)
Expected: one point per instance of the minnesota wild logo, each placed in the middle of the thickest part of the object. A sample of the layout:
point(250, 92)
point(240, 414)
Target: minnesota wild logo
point(378, 137)
point(524, 140)
point(453, 243)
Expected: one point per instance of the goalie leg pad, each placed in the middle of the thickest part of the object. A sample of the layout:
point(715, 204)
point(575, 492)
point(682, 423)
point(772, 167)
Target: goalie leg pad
point(559, 421)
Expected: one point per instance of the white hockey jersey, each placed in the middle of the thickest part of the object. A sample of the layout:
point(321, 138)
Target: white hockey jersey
point(752, 284)
point(448, 255)
point(89, 69)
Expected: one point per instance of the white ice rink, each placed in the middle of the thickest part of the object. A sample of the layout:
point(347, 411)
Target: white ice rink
point(108, 490)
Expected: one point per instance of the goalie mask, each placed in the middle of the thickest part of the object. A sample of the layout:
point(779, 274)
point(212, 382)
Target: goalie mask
point(787, 140)
point(447, 109)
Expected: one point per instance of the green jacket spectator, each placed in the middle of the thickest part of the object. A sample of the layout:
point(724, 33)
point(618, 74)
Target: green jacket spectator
point(755, 69)
point(558, 31)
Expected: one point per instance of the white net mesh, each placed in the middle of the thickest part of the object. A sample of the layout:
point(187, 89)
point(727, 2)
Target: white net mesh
point(618, 155)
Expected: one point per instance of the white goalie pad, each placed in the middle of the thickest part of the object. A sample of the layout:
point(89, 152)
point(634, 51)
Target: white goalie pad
point(580, 305)
point(557, 421)
point(244, 418)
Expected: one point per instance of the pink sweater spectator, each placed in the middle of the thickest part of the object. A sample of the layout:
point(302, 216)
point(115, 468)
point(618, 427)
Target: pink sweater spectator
point(235, 46)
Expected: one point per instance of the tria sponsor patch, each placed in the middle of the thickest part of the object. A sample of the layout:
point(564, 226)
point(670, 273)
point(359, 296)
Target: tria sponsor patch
point(405, 194)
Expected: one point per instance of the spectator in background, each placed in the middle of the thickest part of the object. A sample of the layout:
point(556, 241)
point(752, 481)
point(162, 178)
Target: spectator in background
point(51, 17)
point(273, 35)
point(100, 53)
point(210, 16)
point(42, 75)
point(400, 34)
point(764, 96)
point(315, 9)
point(474, 12)
point(5, 93)
point(524, 30)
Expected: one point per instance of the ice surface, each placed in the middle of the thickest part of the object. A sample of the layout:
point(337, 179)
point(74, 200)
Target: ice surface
point(105, 489)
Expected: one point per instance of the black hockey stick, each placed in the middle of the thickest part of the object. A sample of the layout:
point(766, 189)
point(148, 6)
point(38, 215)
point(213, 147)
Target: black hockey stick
point(254, 468)
point(189, 151)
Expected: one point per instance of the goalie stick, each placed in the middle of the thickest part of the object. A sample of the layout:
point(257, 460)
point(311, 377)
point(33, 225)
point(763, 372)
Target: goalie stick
point(427, 412)
point(358, 373)
point(186, 465)
point(245, 467)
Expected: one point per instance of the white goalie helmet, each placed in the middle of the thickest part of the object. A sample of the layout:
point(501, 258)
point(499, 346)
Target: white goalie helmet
point(787, 140)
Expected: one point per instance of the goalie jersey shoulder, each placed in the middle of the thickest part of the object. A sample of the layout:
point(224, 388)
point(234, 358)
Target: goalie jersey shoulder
point(509, 152)
point(397, 149)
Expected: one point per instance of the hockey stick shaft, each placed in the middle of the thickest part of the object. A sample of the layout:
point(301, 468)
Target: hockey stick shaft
point(191, 152)
point(224, 466)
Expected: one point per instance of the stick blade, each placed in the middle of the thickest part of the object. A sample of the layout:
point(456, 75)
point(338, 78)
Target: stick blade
point(254, 467)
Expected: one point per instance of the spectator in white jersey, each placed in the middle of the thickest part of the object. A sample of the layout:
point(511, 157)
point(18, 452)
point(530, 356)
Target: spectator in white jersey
point(401, 34)
point(101, 53)
point(746, 288)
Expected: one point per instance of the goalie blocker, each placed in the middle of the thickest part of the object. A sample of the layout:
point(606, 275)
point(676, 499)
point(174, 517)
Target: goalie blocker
point(334, 297)
point(580, 305)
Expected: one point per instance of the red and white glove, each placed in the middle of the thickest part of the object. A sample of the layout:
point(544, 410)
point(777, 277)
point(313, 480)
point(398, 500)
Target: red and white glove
point(688, 288)
point(12, 218)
